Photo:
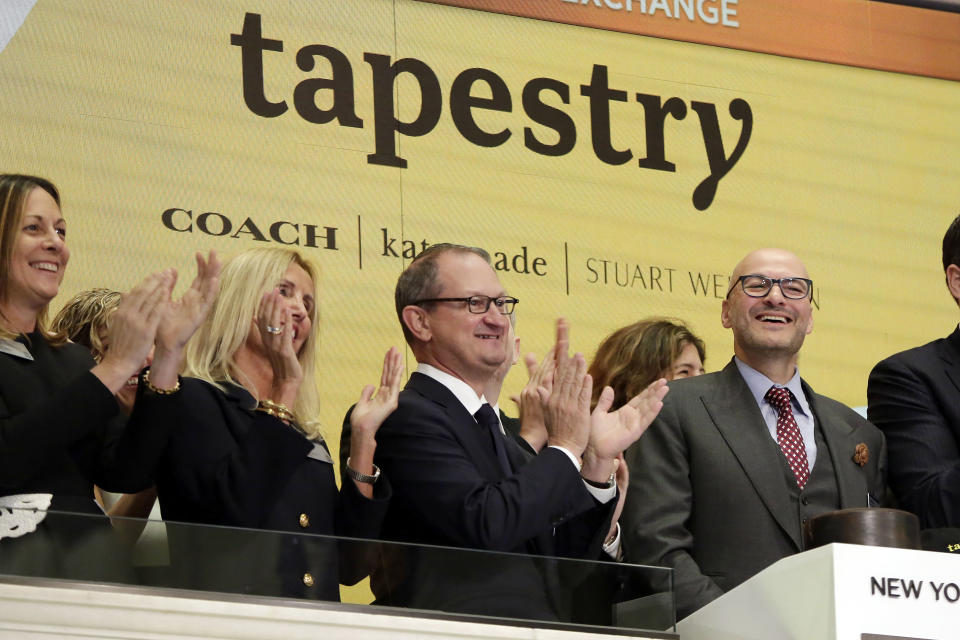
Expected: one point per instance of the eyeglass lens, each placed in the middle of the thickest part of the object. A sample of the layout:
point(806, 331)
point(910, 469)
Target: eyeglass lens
point(758, 286)
point(480, 304)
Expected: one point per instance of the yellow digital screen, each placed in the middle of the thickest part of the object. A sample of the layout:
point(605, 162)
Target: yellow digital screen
point(611, 175)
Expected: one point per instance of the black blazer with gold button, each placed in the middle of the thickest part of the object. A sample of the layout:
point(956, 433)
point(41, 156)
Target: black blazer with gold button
point(227, 464)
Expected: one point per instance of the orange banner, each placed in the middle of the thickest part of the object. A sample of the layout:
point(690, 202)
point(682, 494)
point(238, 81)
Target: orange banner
point(858, 33)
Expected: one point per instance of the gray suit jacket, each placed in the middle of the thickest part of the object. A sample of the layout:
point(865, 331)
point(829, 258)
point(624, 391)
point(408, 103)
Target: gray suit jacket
point(708, 493)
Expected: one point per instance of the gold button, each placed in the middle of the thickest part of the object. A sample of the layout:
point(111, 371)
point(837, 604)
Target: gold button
point(304, 520)
point(308, 579)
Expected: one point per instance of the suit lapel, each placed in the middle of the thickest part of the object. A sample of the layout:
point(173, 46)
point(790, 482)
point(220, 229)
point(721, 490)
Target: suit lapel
point(462, 426)
point(837, 433)
point(737, 417)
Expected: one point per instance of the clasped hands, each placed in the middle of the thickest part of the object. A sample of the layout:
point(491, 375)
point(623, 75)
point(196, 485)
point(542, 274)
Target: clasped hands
point(564, 390)
point(148, 316)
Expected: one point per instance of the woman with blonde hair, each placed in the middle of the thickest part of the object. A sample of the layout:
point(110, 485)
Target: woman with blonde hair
point(85, 320)
point(248, 452)
point(633, 356)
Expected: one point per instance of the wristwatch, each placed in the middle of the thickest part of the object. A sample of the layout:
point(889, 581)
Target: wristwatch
point(611, 481)
point(362, 477)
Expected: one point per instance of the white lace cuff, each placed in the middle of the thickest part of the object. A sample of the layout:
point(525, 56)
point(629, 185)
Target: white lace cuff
point(20, 514)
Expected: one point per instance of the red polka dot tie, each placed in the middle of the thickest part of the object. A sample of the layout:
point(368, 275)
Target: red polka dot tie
point(788, 434)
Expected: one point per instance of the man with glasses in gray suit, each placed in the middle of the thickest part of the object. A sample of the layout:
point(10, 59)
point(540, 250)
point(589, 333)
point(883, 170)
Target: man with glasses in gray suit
point(738, 460)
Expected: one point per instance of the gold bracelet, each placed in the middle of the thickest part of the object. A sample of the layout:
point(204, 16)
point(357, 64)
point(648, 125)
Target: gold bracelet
point(158, 390)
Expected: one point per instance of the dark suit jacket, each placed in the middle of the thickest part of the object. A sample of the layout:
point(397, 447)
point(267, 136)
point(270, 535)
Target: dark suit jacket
point(914, 397)
point(450, 491)
point(60, 432)
point(708, 495)
point(512, 427)
point(227, 464)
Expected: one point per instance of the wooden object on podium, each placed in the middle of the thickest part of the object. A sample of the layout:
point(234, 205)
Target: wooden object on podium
point(839, 592)
point(870, 526)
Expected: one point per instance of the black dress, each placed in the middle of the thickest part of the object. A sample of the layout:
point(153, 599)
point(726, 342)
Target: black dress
point(227, 464)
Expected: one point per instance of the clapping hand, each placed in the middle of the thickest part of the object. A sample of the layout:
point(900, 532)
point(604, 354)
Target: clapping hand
point(533, 429)
point(566, 406)
point(133, 327)
point(611, 432)
point(181, 318)
point(374, 407)
point(369, 413)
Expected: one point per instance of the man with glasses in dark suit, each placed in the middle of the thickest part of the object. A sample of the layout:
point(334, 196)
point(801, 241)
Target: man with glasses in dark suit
point(459, 481)
point(738, 460)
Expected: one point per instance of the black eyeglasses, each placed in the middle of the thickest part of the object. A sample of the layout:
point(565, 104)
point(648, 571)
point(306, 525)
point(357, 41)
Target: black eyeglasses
point(478, 304)
point(757, 286)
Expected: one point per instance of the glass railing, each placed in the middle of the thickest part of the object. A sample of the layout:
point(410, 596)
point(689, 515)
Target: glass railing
point(504, 588)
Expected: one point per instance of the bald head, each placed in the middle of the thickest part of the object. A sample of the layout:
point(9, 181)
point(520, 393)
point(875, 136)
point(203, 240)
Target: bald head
point(762, 258)
point(769, 327)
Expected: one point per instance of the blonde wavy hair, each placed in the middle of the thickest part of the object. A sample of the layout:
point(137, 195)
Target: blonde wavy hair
point(211, 352)
point(632, 357)
point(14, 191)
point(85, 319)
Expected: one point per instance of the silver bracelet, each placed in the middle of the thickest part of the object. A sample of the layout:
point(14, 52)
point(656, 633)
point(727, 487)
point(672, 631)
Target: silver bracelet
point(362, 477)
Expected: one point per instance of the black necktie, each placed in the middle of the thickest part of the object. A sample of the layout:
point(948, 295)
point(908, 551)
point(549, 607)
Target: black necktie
point(487, 417)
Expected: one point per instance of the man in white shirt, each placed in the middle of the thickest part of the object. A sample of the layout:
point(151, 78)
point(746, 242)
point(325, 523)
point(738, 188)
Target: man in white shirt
point(458, 481)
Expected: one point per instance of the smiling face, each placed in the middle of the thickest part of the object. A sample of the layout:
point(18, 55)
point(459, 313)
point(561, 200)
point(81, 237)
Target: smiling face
point(40, 254)
point(470, 346)
point(771, 327)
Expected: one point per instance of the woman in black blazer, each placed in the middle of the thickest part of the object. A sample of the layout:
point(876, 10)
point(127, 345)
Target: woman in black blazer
point(59, 427)
point(247, 450)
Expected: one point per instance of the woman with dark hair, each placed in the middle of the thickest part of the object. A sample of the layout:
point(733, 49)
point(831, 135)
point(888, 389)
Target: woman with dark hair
point(632, 357)
point(248, 452)
point(58, 436)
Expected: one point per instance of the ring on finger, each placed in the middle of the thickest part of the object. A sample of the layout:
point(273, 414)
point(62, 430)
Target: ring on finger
point(274, 331)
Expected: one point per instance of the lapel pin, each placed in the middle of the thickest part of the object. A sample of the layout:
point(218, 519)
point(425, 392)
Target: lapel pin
point(861, 454)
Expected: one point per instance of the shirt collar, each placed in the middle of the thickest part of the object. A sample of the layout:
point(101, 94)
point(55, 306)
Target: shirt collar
point(759, 384)
point(15, 348)
point(463, 392)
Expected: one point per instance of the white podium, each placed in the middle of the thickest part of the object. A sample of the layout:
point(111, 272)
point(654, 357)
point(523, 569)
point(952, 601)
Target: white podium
point(839, 592)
